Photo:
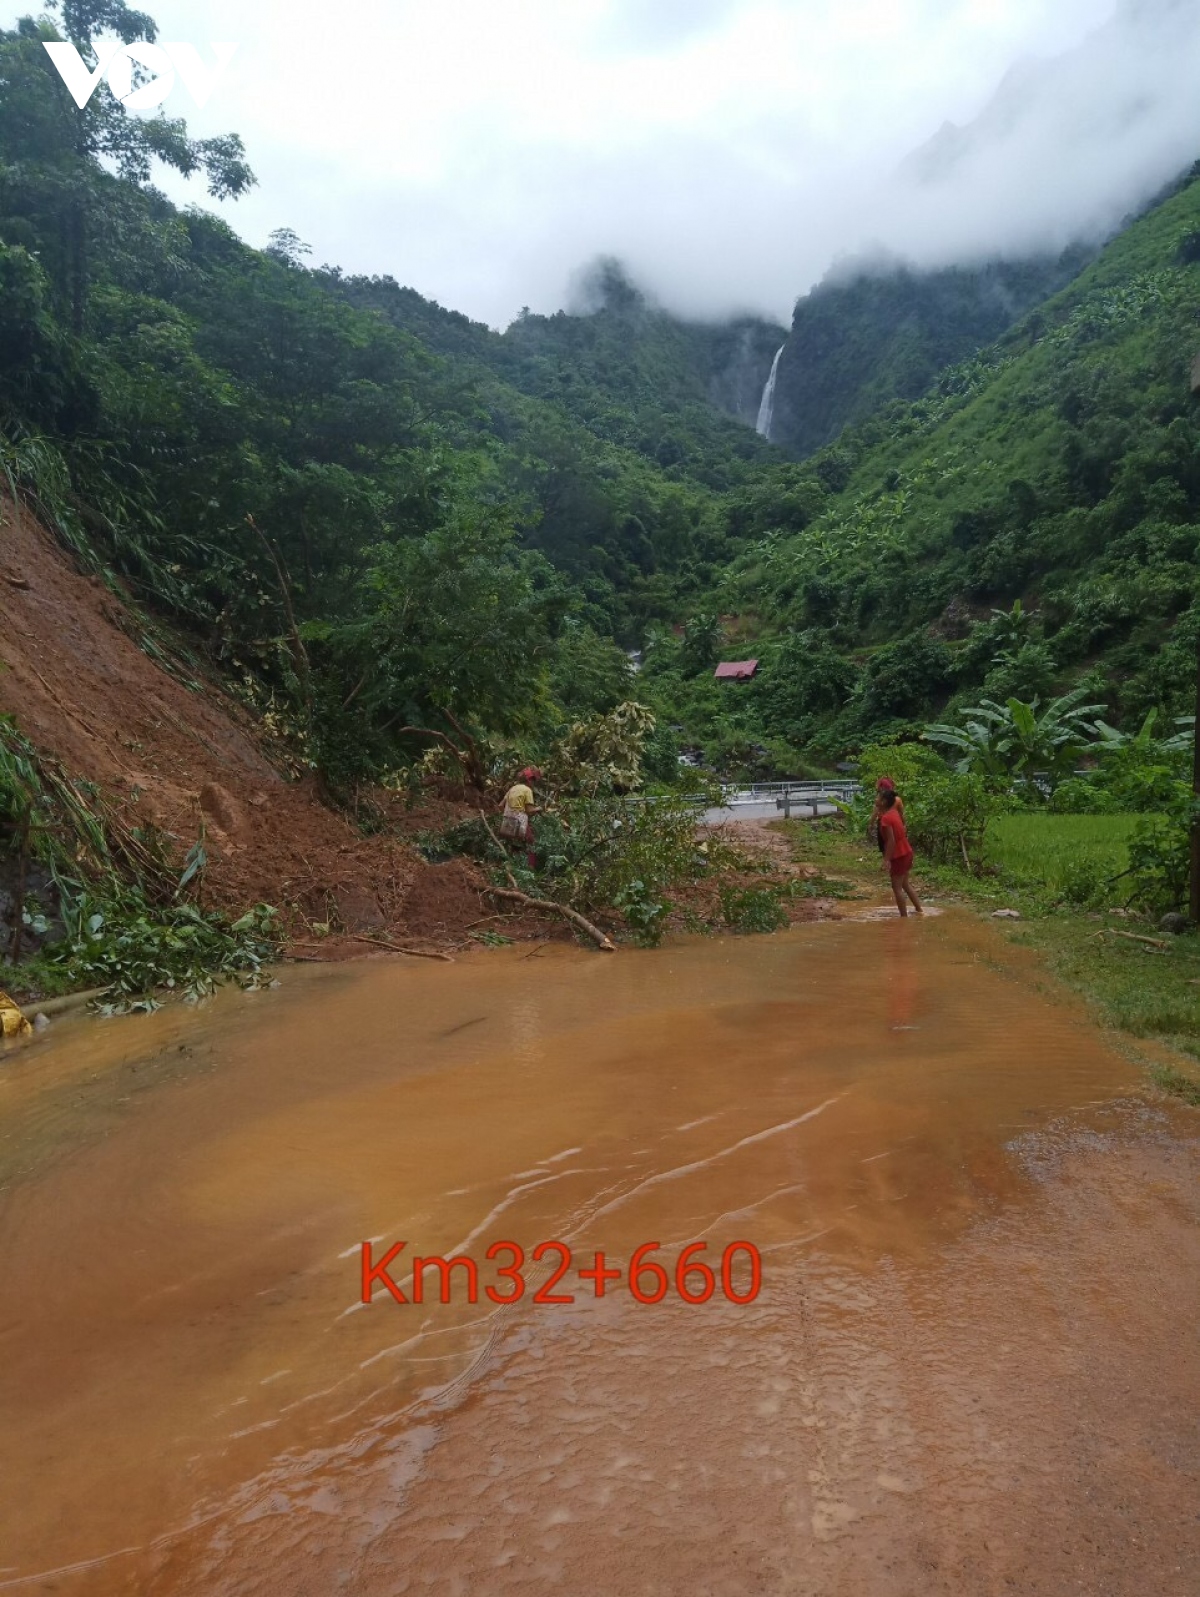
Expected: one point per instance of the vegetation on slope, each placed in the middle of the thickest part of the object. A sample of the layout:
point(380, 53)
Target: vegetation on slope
point(397, 531)
point(877, 331)
point(1061, 468)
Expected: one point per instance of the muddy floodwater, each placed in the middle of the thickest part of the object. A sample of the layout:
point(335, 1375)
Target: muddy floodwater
point(970, 1366)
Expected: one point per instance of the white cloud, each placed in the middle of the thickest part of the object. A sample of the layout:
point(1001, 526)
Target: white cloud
point(481, 150)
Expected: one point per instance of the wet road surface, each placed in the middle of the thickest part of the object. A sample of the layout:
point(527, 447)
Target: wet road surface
point(971, 1366)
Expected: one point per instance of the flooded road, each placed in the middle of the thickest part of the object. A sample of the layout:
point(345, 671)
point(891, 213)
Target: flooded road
point(971, 1366)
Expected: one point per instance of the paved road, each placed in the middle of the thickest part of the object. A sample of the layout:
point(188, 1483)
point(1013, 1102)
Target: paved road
point(763, 812)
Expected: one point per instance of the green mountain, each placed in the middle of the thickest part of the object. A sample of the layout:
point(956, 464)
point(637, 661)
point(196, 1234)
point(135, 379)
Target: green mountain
point(682, 394)
point(1060, 467)
point(279, 461)
point(874, 332)
point(376, 515)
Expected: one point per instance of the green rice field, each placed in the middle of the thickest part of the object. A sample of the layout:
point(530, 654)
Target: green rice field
point(1073, 855)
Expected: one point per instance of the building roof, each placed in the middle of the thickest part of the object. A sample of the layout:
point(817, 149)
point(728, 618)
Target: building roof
point(735, 670)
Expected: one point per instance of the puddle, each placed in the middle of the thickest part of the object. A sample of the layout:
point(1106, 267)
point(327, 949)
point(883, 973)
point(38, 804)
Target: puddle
point(195, 1398)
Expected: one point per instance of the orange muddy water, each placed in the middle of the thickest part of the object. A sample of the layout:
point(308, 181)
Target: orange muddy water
point(971, 1366)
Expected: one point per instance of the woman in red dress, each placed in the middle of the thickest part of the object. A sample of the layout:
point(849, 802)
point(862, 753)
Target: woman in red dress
point(897, 851)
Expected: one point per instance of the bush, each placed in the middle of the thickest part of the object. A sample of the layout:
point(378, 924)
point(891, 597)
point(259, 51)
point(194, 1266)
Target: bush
point(946, 813)
point(1084, 883)
point(645, 913)
point(753, 909)
point(1079, 795)
point(904, 678)
point(1160, 857)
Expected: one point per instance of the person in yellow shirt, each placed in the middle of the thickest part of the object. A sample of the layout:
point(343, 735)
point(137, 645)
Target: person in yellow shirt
point(520, 805)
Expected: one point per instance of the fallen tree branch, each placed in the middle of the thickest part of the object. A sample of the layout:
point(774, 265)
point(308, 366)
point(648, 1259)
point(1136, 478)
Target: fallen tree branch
point(514, 895)
point(512, 880)
point(1132, 937)
point(397, 948)
point(60, 1006)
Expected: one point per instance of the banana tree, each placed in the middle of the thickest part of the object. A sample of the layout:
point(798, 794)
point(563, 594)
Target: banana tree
point(983, 743)
point(1143, 740)
point(1015, 740)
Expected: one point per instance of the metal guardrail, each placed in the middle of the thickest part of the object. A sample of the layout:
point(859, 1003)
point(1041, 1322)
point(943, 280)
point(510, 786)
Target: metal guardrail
point(788, 796)
point(805, 798)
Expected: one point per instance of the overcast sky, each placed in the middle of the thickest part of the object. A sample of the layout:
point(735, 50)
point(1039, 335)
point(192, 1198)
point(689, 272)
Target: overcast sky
point(727, 150)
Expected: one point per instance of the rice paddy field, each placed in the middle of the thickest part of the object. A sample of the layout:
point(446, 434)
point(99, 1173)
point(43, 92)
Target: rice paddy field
point(1074, 856)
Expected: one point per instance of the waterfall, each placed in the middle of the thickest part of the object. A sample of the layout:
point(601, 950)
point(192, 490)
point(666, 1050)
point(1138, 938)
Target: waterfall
point(766, 410)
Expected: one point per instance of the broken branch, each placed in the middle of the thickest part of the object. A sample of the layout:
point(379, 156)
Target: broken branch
point(512, 880)
point(514, 895)
point(1132, 937)
point(398, 948)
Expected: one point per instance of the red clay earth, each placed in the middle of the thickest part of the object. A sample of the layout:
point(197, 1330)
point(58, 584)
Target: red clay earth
point(77, 684)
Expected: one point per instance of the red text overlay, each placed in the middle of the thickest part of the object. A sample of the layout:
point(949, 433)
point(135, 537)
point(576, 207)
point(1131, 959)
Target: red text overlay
point(736, 1276)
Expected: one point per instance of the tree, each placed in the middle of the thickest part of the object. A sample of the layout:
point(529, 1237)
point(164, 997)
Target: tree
point(807, 678)
point(590, 675)
point(287, 247)
point(452, 640)
point(1013, 740)
point(55, 152)
point(701, 642)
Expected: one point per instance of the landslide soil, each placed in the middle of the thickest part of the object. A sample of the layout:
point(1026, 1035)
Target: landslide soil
point(77, 682)
point(178, 753)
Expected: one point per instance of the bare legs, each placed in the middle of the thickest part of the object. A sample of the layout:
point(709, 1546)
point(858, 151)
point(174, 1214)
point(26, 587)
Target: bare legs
point(900, 890)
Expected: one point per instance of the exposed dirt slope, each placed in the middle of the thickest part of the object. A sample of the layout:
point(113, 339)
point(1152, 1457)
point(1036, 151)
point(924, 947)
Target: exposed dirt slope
point(79, 687)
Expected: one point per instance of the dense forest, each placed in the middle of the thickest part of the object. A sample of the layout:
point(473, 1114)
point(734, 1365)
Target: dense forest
point(376, 515)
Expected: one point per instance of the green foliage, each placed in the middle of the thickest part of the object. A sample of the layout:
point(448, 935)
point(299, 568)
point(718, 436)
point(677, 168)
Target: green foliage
point(1160, 853)
point(750, 910)
point(450, 628)
point(132, 948)
point(1082, 795)
point(645, 913)
point(701, 647)
point(128, 926)
point(1015, 742)
point(903, 677)
point(56, 195)
point(804, 678)
point(883, 332)
point(1139, 771)
point(589, 674)
point(605, 851)
point(605, 753)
